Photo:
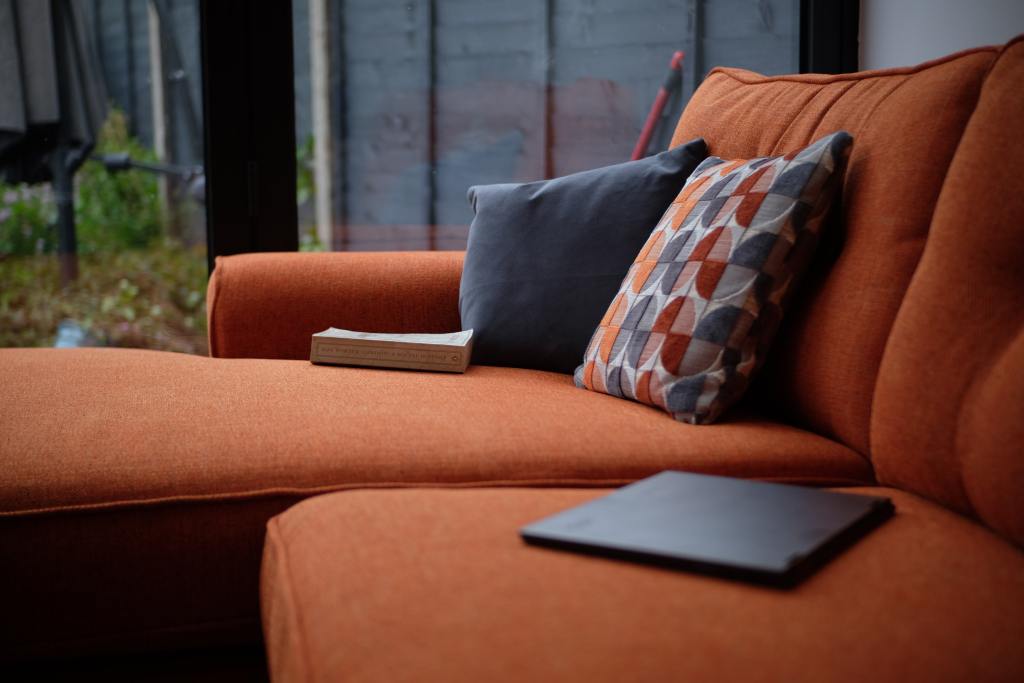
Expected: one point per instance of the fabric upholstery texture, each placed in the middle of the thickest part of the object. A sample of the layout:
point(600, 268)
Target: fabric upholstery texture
point(949, 407)
point(545, 258)
point(907, 124)
point(173, 426)
point(136, 483)
point(268, 305)
point(437, 585)
point(699, 307)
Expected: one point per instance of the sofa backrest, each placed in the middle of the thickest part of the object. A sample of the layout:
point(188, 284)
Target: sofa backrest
point(906, 124)
point(948, 418)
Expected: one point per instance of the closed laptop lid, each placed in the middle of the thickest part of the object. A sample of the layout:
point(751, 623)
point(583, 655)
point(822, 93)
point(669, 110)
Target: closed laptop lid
point(732, 527)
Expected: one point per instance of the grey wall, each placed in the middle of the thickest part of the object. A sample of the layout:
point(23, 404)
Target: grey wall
point(905, 32)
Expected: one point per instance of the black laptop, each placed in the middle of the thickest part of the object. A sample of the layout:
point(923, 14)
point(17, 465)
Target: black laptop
point(774, 534)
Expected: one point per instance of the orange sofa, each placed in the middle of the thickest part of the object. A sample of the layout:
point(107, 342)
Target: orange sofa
point(137, 485)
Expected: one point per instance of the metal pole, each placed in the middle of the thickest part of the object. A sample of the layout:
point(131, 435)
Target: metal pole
point(63, 190)
point(63, 186)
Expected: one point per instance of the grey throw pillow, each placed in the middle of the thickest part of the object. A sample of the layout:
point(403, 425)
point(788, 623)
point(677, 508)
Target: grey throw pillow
point(544, 259)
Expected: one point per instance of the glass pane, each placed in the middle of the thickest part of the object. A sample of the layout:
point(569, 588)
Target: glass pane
point(402, 105)
point(102, 106)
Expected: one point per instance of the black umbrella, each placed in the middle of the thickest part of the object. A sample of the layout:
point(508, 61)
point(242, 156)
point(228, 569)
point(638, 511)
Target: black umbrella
point(52, 103)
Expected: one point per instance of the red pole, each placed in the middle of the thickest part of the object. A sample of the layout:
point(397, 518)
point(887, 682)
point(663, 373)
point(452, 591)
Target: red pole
point(670, 84)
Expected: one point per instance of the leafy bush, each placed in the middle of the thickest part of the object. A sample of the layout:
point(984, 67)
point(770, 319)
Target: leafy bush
point(27, 214)
point(116, 210)
point(135, 288)
point(112, 210)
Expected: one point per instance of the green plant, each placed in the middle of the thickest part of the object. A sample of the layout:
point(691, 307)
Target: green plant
point(136, 286)
point(112, 210)
point(305, 190)
point(27, 214)
point(305, 187)
point(116, 210)
point(148, 298)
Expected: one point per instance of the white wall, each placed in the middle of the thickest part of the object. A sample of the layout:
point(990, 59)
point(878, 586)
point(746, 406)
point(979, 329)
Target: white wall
point(905, 32)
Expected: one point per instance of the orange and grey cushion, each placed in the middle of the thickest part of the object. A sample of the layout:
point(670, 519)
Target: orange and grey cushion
point(700, 304)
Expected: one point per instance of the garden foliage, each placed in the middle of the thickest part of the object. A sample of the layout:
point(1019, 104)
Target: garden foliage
point(137, 286)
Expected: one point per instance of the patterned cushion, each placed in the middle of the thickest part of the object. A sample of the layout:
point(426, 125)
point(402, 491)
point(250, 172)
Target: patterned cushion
point(703, 299)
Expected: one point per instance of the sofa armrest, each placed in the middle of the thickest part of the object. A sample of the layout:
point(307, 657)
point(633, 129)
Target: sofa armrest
point(268, 305)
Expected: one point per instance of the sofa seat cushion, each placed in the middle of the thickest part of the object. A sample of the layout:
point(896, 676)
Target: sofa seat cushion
point(136, 484)
point(436, 585)
point(113, 427)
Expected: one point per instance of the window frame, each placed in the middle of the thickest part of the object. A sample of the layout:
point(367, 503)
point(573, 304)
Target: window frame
point(829, 36)
point(249, 126)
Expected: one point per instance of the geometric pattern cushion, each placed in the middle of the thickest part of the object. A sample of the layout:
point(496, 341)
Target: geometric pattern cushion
point(698, 308)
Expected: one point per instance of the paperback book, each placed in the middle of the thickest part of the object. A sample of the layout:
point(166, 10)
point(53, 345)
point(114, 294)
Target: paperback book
point(448, 352)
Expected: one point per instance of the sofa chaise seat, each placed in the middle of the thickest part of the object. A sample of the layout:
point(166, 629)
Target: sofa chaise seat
point(436, 585)
point(195, 454)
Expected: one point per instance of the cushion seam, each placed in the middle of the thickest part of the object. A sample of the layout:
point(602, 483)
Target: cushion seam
point(276, 492)
point(753, 78)
point(277, 539)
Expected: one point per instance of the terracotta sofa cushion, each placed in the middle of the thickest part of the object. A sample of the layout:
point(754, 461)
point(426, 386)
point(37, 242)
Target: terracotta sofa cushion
point(137, 483)
point(949, 406)
point(906, 124)
point(436, 585)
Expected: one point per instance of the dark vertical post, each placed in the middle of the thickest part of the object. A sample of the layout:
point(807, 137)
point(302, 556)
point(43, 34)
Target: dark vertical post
point(249, 117)
point(63, 190)
point(829, 36)
point(431, 124)
point(549, 95)
point(63, 186)
point(695, 57)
